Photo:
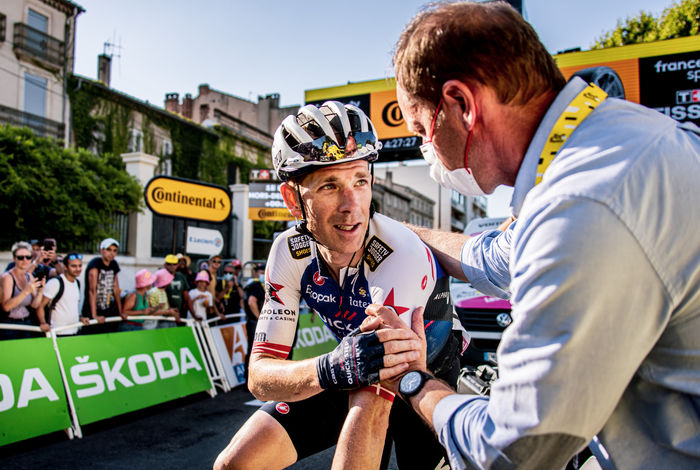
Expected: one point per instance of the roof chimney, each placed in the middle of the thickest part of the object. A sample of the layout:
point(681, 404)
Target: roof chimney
point(104, 68)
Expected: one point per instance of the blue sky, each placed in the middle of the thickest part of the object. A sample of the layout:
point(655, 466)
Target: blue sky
point(250, 48)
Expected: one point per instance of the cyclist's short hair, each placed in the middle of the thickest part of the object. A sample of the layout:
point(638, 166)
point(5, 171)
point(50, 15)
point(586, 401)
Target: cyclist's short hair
point(478, 43)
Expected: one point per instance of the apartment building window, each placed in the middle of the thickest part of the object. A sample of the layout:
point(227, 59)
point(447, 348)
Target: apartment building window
point(135, 141)
point(35, 94)
point(3, 26)
point(167, 148)
point(36, 35)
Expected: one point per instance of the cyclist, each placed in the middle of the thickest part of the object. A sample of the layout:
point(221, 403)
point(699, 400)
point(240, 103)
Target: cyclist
point(340, 258)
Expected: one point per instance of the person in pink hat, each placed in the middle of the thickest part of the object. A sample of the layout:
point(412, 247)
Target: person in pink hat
point(158, 297)
point(200, 299)
point(135, 302)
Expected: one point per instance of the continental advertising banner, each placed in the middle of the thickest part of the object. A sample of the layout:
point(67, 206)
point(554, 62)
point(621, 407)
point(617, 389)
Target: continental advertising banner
point(32, 398)
point(115, 373)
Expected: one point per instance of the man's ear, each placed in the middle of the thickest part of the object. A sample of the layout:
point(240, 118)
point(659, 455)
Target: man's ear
point(289, 195)
point(458, 97)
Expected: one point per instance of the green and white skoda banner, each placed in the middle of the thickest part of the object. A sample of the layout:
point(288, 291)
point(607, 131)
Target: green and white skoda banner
point(115, 373)
point(313, 338)
point(32, 398)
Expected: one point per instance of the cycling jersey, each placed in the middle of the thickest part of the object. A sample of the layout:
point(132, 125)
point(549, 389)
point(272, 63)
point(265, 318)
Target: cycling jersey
point(397, 270)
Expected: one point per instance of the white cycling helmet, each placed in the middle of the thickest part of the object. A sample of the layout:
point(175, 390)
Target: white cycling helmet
point(316, 137)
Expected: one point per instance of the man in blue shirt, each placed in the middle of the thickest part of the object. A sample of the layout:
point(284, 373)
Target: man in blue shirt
point(603, 263)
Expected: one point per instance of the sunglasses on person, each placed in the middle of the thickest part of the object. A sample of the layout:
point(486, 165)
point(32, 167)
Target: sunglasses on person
point(23, 257)
point(324, 149)
point(216, 262)
point(73, 256)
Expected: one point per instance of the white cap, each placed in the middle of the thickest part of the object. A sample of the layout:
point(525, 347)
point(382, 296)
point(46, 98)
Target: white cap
point(107, 242)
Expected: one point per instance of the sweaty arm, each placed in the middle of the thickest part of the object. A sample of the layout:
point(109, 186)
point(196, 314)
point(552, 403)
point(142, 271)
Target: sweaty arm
point(573, 330)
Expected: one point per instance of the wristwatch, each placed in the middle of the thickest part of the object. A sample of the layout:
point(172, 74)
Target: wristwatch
point(412, 383)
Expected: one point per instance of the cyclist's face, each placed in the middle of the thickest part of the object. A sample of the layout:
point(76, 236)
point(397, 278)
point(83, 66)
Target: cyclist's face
point(337, 200)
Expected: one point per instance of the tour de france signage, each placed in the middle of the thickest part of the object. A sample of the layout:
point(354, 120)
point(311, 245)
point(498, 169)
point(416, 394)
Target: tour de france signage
point(662, 75)
point(264, 198)
point(178, 197)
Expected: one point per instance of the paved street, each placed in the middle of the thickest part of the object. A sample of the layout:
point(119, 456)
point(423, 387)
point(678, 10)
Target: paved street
point(185, 434)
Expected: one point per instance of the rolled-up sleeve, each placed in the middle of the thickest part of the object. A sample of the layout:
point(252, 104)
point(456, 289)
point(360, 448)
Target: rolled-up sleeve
point(573, 261)
point(485, 261)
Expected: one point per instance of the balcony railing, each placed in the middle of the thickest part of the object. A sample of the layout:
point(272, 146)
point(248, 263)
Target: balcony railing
point(41, 126)
point(30, 43)
point(3, 27)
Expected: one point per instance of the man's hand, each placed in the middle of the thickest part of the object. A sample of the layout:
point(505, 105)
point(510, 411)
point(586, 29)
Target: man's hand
point(85, 320)
point(405, 348)
point(100, 319)
point(45, 327)
point(354, 363)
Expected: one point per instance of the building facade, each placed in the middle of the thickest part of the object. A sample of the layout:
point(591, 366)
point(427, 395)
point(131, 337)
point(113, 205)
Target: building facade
point(449, 211)
point(401, 202)
point(216, 106)
point(37, 43)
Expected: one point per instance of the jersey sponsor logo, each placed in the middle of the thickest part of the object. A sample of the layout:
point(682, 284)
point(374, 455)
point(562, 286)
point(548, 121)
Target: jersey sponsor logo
point(389, 302)
point(283, 314)
point(318, 279)
point(358, 303)
point(376, 252)
point(339, 326)
point(424, 282)
point(299, 246)
point(282, 408)
point(260, 337)
point(271, 289)
point(362, 291)
point(318, 297)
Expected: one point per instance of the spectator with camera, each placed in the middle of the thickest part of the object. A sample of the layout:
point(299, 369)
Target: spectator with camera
point(20, 292)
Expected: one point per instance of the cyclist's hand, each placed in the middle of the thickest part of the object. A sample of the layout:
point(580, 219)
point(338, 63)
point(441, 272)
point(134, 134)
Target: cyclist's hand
point(354, 363)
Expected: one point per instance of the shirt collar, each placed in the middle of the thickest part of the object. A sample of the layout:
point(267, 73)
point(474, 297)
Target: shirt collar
point(525, 180)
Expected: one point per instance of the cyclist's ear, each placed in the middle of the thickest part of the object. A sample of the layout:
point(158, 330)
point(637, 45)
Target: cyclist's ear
point(289, 195)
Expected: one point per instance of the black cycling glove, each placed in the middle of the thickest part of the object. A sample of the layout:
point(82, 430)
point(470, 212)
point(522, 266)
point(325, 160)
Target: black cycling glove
point(354, 363)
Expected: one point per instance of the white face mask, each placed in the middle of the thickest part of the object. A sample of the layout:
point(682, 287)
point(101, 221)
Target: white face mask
point(461, 180)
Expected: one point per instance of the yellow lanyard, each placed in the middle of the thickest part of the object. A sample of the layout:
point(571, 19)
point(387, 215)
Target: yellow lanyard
point(578, 110)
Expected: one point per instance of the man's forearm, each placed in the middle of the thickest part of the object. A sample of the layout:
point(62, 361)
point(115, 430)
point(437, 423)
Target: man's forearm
point(426, 400)
point(446, 246)
point(283, 380)
point(362, 438)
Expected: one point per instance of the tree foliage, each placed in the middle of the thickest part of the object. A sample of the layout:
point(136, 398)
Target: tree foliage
point(47, 190)
point(679, 20)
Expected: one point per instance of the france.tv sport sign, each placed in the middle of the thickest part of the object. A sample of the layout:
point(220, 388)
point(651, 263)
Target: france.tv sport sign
point(179, 197)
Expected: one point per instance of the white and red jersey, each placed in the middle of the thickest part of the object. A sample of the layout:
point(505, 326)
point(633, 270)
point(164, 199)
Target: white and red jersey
point(397, 269)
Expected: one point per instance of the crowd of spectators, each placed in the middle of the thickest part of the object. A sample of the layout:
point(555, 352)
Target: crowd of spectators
point(41, 288)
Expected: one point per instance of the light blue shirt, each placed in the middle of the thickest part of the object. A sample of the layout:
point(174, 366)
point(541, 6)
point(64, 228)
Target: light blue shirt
point(605, 279)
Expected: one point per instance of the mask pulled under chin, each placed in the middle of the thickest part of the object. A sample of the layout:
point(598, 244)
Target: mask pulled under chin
point(461, 180)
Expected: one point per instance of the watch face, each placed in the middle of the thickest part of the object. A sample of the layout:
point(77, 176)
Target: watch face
point(410, 383)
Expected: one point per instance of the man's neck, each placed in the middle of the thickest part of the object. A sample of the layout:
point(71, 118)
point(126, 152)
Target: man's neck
point(337, 261)
point(68, 277)
point(105, 261)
